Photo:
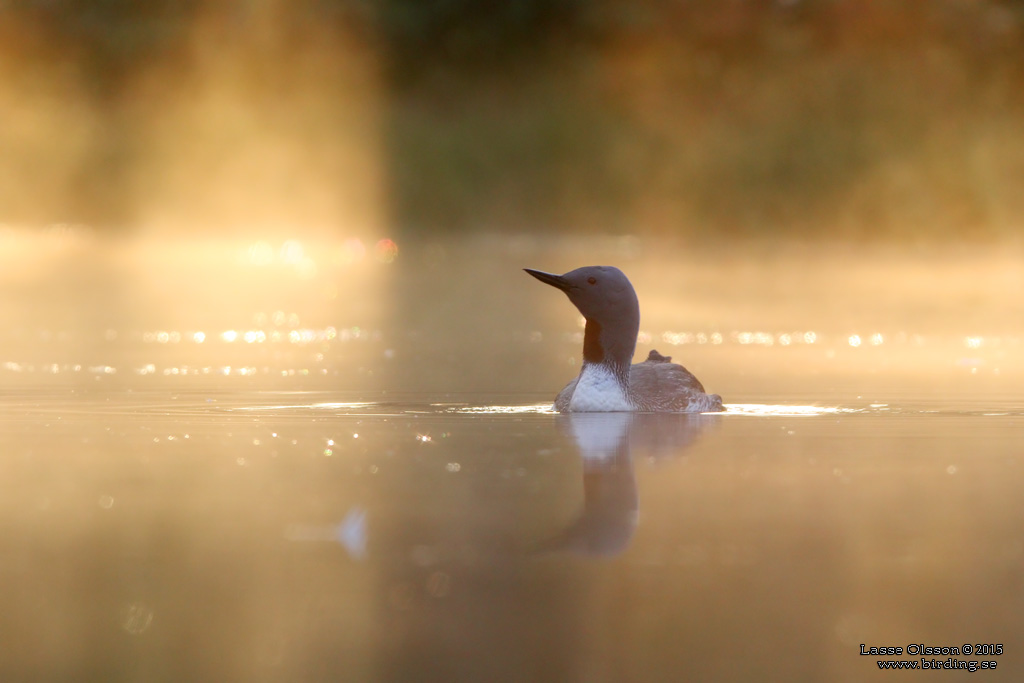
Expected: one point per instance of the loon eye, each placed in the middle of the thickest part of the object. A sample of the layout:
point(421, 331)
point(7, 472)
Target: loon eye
point(592, 280)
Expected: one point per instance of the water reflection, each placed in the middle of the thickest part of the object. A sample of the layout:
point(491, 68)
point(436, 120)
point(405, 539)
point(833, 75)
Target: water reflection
point(279, 536)
point(610, 507)
point(606, 442)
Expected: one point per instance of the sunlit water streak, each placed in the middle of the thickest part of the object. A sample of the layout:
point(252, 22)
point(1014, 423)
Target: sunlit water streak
point(241, 354)
point(264, 404)
point(536, 409)
point(344, 407)
point(766, 410)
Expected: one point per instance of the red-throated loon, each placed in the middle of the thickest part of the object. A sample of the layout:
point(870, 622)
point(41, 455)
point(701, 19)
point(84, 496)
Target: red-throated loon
point(607, 382)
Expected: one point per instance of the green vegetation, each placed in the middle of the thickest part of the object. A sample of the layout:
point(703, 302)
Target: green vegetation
point(705, 118)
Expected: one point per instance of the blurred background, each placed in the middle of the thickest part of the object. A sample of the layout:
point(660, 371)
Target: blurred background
point(217, 167)
point(703, 118)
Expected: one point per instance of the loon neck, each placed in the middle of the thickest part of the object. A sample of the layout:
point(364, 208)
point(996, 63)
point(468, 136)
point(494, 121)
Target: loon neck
point(609, 348)
point(619, 371)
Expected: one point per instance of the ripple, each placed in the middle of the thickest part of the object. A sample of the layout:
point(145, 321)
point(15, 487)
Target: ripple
point(348, 405)
point(537, 409)
point(769, 410)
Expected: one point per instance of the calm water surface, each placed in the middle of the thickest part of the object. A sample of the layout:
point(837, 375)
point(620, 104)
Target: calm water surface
point(373, 490)
point(289, 536)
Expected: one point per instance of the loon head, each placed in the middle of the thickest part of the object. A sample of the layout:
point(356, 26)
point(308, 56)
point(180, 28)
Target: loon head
point(605, 297)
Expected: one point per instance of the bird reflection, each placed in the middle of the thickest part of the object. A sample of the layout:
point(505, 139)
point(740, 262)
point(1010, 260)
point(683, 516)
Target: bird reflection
point(606, 443)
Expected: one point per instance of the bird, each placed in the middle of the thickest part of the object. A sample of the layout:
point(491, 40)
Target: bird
point(607, 381)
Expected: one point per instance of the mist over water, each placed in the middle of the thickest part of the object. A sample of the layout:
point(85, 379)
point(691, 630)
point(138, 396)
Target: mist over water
point(456, 314)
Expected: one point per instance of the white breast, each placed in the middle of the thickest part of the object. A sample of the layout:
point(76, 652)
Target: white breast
point(598, 391)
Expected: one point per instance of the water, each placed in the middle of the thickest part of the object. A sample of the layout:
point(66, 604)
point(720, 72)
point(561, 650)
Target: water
point(384, 493)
